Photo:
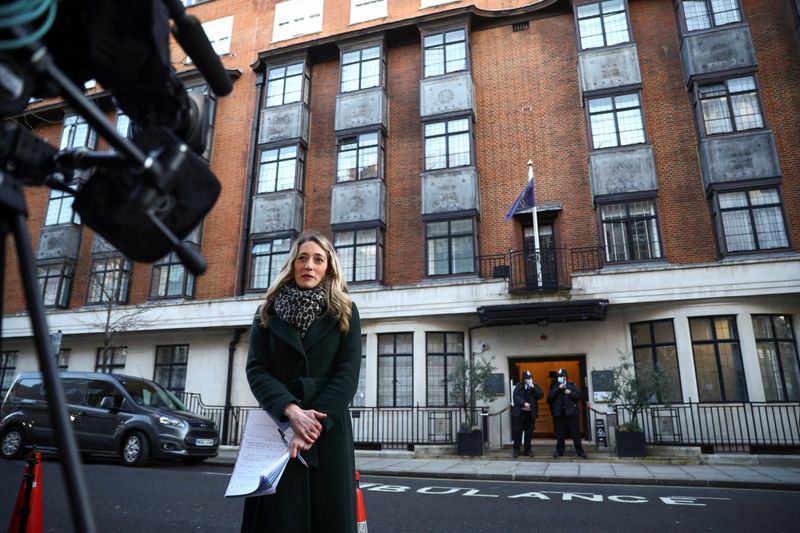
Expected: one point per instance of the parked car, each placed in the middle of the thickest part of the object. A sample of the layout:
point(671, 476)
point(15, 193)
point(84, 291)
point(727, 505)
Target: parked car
point(111, 414)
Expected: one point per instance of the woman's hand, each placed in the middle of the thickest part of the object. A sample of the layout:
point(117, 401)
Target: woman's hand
point(306, 426)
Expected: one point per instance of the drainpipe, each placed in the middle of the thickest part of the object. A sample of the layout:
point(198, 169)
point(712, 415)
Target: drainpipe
point(241, 278)
point(237, 334)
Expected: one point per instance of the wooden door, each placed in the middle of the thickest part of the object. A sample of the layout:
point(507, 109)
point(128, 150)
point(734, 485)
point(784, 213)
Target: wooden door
point(544, 373)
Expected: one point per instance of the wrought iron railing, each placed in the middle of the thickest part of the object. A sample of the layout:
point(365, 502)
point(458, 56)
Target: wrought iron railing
point(718, 427)
point(721, 427)
point(373, 427)
point(549, 268)
point(229, 420)
point(403, 427)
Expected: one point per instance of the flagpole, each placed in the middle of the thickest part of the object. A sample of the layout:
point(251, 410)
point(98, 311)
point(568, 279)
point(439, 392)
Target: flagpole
point(537, 256)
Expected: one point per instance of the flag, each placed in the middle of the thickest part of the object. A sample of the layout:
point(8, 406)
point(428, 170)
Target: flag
point(525, 200)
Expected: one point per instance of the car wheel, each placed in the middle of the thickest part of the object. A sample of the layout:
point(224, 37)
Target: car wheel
point(12, 443)
point(135, 449)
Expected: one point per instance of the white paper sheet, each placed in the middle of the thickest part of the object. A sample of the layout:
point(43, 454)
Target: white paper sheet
point(262, 456)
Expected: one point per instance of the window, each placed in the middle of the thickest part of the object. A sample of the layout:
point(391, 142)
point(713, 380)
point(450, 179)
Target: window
point(294, 18)
point(450, 247)
point(360, 397)
point(443, 351)
point(630, 230)
point(287, 84)
point(59, 209)
point(360, 253)
point(109, 280)
point(55, 280)
point(776, 346)
point(730, 105)
point(77, 133)
point(266, 260)
point(750, 220)
point(396, 370)
point(448, 144)
point(170, 278)
point(97, 389)
point(445, 52)
point(280, 169)
point(123, 124)
point(361, 69)
point(718, 359)
point(704, 14)
point(170, 371)
point(211, 101)
point(218, 32)
point(602, 24)
point(8, 370)
point(112, 361)
point(364, 10)
point(654, 346)
point(360, 157)
point(616, 121)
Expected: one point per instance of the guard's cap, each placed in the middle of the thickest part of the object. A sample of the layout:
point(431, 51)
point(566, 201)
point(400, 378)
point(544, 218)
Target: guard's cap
point(527, 374)
point(563, 372)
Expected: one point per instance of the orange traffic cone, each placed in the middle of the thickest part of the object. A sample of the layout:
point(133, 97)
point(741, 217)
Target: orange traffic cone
point(27, 515)
point(361, 513)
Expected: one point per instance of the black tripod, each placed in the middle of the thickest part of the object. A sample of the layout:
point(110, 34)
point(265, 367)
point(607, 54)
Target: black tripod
point(13, 216)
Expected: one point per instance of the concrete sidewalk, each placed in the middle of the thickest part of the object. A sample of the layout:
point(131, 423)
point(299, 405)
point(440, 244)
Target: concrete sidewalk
point(783, 474)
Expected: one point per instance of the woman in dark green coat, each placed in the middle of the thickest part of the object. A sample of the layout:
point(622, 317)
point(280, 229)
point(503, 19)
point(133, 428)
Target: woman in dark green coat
point(303, 365)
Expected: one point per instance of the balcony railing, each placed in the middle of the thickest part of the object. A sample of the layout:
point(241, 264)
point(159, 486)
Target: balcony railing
point(547, 269)
point(721, 427)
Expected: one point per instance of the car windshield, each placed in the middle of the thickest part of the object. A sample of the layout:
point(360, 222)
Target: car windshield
point(152, 395)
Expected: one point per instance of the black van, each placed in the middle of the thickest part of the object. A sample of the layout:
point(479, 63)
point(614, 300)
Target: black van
point(111, 414)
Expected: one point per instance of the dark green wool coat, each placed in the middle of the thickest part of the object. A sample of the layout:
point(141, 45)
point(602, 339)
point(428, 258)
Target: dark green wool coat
point(319, 371)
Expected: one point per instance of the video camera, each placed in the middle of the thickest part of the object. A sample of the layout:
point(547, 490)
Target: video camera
point(152, 190)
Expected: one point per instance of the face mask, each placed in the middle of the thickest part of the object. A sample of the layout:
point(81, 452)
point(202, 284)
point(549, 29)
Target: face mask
point(562, 379)
point(529, 381)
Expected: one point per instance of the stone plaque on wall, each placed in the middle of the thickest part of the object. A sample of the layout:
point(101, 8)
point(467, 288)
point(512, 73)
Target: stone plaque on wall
point(717, 51)
point(359, 201)
point(623, 170)
point(277, 212)
point(608, 68)
point(446, 94)
point(449, 190)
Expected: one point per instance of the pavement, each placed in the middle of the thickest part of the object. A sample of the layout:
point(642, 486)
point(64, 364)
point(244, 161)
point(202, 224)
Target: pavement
point(674, 468)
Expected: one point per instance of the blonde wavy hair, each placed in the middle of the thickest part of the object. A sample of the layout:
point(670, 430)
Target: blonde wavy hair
point(336, 297)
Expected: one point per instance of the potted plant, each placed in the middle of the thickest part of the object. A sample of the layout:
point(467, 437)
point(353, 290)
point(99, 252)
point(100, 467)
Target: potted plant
point(634, 392)
point(471, 382)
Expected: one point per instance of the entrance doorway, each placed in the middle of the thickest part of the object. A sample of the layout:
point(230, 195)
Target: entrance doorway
point(544, 374)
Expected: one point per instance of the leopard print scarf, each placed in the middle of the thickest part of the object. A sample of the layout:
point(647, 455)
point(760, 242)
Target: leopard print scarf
point(300, 307)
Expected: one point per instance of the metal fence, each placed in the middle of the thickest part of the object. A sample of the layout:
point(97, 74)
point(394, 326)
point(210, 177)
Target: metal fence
point(721, 427)
point(229, 420)
point(373, 427)
point(404, 427)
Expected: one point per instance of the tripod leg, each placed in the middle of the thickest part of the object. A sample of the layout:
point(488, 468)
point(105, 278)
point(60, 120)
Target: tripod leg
point(70, 463)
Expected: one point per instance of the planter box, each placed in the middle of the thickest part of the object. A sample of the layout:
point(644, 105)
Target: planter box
point(630, 444)
point(469, 443)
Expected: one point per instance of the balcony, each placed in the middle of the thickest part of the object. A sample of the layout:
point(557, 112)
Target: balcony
point(547, 269)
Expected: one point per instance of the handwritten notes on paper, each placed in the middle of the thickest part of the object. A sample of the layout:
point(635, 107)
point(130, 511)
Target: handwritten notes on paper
point(262, 458)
